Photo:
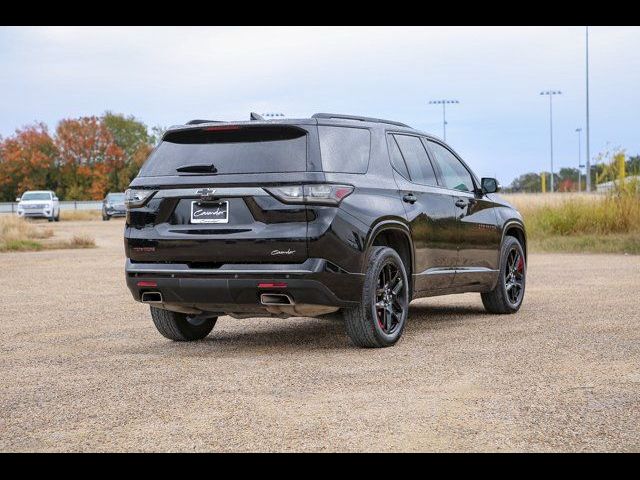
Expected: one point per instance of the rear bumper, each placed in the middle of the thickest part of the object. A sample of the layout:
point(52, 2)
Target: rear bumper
point(233, 288)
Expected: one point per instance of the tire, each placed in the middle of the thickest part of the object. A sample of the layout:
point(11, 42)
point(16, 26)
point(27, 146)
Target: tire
point(105, 218)
point(51, 218)
point(367, 323)
point(175, 326)
point(57, 217)
point(504, 299)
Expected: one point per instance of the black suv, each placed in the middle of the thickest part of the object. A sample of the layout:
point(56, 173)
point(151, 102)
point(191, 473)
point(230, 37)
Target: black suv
point(308, 217)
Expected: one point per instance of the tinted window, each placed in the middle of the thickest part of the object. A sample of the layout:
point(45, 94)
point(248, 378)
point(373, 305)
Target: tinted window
point(36, 196)
point(231, 150)
point(344, 149)
point(454, 173)
point(415, 156)
point(396, 158)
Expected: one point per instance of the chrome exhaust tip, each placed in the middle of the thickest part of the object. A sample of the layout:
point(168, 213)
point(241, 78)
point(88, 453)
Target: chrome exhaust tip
point(276, 299)
point(151, 297)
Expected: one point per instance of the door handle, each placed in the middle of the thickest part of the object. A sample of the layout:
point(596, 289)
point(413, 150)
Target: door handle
point(460, 203)
point(410, 198)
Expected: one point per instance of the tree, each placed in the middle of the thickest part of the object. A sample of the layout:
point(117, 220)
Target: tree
point(528, 182)
point(27, 161)
point(90, 159)
point(133, 138)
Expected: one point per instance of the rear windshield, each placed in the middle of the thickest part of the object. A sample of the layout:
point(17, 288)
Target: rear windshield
point(229, 150)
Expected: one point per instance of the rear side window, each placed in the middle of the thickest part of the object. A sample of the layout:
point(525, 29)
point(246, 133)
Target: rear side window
point(415, 156)
point(259, 149)
point(397, 162)
point(344, 149)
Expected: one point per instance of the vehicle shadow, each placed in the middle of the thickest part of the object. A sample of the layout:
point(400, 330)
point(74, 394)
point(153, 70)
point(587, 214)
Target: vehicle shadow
point(281, 336)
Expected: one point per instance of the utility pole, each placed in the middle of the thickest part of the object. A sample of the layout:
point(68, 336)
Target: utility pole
point(588, 173)
point(579, 130)
point(444, 114)
point(551, 93)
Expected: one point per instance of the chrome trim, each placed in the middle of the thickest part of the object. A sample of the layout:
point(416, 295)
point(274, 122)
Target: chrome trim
point(151, 301)
point(475, 270)
point(219, 192)
point(450, 271)
point(209, 271)
point(263, 302)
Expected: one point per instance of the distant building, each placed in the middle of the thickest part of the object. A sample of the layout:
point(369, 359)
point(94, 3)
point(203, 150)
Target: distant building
point(609, 186)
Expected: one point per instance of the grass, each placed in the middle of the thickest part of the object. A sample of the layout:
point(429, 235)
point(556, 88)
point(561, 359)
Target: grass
point(77, 215)
point(20, 235)
point(581, 222)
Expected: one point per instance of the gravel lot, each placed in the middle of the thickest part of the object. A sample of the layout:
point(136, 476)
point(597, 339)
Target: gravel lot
point(83, 369)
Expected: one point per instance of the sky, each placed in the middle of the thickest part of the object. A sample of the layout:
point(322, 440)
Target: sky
point(169, 75)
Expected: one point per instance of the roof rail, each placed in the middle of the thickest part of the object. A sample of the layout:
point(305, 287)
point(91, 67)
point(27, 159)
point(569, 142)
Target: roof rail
point(198, 121)
point(354, 117)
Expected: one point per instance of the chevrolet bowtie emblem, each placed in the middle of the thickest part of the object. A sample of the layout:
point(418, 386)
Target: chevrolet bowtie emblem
point(206, 193)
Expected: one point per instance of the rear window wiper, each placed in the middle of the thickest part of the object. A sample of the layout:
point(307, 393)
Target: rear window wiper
point(198, 168)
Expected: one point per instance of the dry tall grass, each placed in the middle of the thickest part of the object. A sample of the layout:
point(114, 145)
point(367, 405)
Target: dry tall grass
point(582, 222)
point(18, 234)
point(66, 215)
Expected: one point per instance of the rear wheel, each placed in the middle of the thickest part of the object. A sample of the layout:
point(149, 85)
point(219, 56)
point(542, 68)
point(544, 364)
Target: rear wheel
point(380, 319)
point(181, 327)
point(508, 293)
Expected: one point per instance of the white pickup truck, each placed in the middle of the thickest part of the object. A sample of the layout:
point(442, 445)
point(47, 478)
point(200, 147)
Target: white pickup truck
point(39, 203)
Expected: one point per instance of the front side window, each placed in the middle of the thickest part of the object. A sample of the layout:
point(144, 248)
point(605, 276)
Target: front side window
point(454, 173)
point(415, 156)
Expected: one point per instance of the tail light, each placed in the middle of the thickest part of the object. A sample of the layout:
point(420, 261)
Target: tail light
point(137, 198)
point(320, 194)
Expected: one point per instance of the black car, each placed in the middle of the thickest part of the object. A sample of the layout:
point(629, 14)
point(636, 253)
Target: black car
point(312, 216)
point(113, 206)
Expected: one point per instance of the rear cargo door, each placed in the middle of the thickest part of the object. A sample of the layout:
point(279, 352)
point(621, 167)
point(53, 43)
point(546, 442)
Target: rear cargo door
point(218, 211)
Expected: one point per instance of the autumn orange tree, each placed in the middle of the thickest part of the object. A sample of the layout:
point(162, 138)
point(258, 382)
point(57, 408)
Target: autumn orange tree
point(85, 159)
point(89, 158)
point(27, 161)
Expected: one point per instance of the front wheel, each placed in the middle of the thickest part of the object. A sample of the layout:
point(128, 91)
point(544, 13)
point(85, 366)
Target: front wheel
point(508, 293)
point(181, 327)
point(380, 318)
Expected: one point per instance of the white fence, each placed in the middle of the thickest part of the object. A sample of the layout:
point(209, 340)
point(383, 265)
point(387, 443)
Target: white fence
point(11, 207)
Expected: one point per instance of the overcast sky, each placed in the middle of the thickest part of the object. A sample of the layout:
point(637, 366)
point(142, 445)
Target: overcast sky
point(166, 76)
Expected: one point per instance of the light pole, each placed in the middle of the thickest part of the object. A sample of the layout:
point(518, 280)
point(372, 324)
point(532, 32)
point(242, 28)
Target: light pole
point(579, 131)
point(444, 114)
point(588, 172)
point(551, 93)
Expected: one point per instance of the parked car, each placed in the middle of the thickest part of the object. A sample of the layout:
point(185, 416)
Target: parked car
point(312, 216)
point(113, 206)
point(39, 204)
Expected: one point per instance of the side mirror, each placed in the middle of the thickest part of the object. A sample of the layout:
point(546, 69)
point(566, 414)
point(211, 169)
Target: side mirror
point(17, 199)
point(55, 198)
point(490, 185)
